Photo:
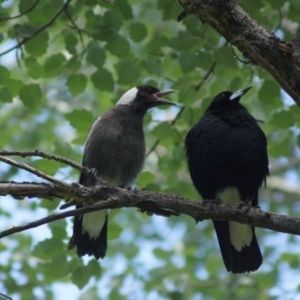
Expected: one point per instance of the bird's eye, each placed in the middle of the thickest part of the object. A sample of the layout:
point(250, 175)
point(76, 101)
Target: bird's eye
point(150, 90)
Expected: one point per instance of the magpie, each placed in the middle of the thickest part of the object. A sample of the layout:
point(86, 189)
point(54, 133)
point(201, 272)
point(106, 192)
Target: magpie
point(227, 159)
point(115, 148)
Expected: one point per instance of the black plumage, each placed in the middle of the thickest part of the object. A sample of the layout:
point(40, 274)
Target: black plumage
point(227, 158)
point(115, 147)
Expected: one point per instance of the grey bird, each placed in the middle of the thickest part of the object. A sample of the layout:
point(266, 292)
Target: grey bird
point(115, 147)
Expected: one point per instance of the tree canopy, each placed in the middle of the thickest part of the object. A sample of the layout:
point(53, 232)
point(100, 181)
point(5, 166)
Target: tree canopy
point(63, 63)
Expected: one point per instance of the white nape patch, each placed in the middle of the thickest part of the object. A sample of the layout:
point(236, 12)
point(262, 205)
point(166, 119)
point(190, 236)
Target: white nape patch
point(240, 234)
point(128, 97)
point(93, 222)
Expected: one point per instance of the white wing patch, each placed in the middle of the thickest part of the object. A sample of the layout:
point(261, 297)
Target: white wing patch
point(240, 234)
point(128, 97)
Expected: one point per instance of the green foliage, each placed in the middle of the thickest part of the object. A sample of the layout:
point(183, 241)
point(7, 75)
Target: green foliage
point(65, 77)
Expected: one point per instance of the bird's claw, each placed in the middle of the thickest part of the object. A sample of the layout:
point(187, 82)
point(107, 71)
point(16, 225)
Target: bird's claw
point(212, 201)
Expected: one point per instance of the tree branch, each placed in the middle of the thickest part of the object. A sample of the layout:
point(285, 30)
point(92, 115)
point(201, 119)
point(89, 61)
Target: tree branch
point(34, 171)
point(113, 197)
point(263, 48)
point(45, 155)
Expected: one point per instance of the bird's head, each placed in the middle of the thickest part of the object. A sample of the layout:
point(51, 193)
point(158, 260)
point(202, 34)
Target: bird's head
point(144, 97)
point(228, 99)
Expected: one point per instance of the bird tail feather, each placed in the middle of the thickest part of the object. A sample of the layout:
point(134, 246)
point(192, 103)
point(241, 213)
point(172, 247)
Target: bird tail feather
point(88, 245)
point(249, 257)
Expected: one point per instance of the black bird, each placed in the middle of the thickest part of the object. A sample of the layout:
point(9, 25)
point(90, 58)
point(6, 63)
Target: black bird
point(227, 158)
point(115, 147)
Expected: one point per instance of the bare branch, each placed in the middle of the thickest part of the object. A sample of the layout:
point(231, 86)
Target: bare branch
point(45, 155)
point(279, 58)
point(50, 22)
point(5, 296)
point(113, 197)
point(34, 171)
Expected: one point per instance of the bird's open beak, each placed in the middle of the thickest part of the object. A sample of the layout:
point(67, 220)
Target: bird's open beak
point(239, 94)
point(161, 101)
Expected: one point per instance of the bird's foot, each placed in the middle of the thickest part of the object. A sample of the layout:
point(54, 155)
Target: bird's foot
point(212, 202)
point(134, 190)
point(245, 206)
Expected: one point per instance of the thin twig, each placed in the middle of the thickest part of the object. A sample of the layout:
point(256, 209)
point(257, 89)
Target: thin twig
point(197, 88)
point(47, 156)
point(172, 124)
point(22, 13)
point(206, 76)
point(50, 22)
point(34, 171)
point(76, 28)
point(5, 296)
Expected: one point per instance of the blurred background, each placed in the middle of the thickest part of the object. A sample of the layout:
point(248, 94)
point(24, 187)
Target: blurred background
point(60, 81)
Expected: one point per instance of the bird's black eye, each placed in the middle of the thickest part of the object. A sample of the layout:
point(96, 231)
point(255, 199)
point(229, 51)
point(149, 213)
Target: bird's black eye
point(150, 90)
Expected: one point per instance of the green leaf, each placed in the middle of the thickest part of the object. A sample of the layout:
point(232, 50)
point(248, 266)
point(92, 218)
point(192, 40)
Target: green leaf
point(269, 92)
point(103, 80)
point(35, 70)
point(58, 267)
point(76, 83)
point(47, 248)
point(81, 120)
point(113, 19)
point(128, 73)
point(163, 131)
point(62, 148)
point(95, 54)
point(118, 47)
point(14, 85)
point(94, 268)
point(73, 64)
point(187, 61)
point(145, 178)
point(71, 43)
point(4, 74)
point(26, 5)
point(38, 45)
point(224, 56)
point(184, 43)
point(59, 229)
point(31, 95)
point(282, 119)
point(54, 65)
point(81, 276)
point(125, 9)
point(5, 95)
point(138, 31)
